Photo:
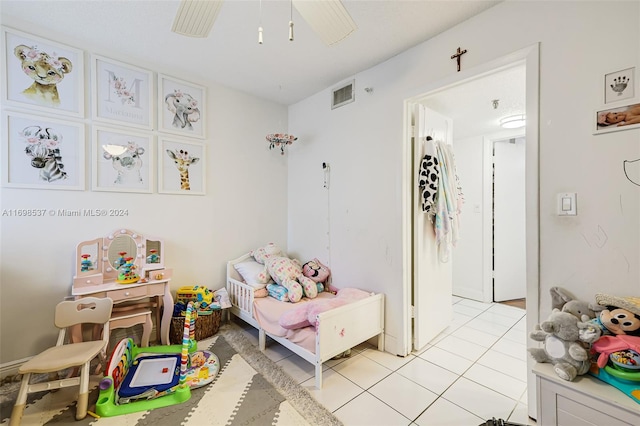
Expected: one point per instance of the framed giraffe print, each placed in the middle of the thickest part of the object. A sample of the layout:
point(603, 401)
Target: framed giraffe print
point(122, 160)
point(122, 94)
point(43, 75)
point(181, 107)
point(42, 153)
point(181, 167)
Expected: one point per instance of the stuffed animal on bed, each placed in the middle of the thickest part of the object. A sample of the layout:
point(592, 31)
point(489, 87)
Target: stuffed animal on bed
point(284, 271)
point(318, 272)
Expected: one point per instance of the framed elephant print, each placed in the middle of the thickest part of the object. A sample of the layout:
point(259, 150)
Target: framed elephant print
point(42, 153)
point(181, 107)
point(41, 74)
point(181, 167)
point(122, 94)
point(122, 160)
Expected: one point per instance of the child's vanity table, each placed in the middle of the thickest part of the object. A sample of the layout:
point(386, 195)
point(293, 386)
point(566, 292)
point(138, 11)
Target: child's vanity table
point(128, 268)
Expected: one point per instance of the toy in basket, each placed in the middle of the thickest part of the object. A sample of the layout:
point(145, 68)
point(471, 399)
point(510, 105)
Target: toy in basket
point(198, 294)
point(140, 379)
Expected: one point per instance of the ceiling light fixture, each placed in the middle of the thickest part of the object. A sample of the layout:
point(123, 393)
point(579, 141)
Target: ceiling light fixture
point(513, 121)
point(260, 25)
point(327, 18)
point(291, 22)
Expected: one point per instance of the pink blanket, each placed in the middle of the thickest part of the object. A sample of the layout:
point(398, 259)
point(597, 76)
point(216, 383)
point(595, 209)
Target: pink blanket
point(268, 310)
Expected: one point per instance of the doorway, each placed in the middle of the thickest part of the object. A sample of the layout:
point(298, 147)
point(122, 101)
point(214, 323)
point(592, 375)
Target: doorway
point(528, 57)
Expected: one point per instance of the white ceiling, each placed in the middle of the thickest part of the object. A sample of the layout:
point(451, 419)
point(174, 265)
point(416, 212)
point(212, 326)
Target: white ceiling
point(470, 104)
point(279, 70)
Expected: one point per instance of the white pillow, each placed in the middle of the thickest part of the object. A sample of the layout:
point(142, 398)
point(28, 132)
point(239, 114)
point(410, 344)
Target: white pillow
point(249, 270)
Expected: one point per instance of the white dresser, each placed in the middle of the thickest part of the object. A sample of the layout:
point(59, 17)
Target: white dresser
point(587, 401)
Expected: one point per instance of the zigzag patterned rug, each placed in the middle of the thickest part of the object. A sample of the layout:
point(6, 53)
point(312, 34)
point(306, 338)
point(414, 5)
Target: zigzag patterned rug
point(250, 389)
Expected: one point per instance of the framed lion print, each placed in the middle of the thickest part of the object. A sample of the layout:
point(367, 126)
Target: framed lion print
point(42, 74)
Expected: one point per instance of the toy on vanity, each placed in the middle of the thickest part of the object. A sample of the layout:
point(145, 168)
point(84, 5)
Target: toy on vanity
point(127, 273)
point(86, 264)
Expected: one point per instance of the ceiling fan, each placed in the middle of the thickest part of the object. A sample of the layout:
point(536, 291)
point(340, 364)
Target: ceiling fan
point(328, 18)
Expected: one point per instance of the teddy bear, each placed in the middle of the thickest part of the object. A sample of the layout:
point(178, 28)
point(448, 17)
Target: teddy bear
point(562, 345)
point(284, 271)
point(563, 300)
point(619, 316)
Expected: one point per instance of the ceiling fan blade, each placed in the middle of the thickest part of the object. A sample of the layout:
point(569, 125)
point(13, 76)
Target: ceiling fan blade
point(195, 18)
point(328, 18)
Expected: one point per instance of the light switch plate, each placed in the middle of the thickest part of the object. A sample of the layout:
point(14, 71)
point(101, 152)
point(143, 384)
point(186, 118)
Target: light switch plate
point(567, 204)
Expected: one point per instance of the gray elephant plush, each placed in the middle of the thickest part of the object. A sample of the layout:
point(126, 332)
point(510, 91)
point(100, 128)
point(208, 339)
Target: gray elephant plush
point(184, 107)
point(563, 300)
point(562, 345)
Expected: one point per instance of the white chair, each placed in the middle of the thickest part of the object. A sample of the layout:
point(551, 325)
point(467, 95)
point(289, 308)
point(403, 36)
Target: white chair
point(89, 310)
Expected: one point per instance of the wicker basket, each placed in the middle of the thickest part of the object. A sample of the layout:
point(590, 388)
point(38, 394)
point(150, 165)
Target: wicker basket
point(206, 326)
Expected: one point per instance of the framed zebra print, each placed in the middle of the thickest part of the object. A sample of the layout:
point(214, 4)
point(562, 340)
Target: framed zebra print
point(42, 153)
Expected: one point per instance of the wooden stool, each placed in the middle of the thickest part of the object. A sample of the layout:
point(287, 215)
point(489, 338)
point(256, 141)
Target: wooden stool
point(129, 318)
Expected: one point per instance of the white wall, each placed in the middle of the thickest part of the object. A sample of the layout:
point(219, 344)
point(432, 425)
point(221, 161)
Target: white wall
point(468, 268)
point(200, 232)
point(599, 250)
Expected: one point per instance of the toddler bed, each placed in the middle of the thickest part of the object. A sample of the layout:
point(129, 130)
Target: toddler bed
point(335, 331)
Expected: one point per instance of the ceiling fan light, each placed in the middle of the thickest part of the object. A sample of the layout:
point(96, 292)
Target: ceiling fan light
point(195, 18)
point(513, 121)
point(329, 19)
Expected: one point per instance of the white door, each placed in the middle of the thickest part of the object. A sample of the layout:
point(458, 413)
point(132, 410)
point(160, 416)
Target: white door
point(509, 240)
point(432, 279)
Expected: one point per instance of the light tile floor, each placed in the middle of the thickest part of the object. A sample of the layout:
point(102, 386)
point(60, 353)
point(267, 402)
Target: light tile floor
point(475, 370)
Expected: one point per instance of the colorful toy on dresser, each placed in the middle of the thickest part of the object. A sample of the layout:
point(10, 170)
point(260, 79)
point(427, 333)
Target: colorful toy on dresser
point(618, 352)
point(127, 268)
point(602, 339)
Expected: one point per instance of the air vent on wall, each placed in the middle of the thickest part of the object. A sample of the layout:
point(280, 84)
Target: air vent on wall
point(343, 95)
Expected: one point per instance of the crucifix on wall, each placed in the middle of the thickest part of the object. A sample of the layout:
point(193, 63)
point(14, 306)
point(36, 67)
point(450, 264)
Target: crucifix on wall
point(457, 56)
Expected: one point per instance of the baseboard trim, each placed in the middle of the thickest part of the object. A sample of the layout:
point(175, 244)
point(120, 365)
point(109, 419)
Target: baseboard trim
point(11, 368)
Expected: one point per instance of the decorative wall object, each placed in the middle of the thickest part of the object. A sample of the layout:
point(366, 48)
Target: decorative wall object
point(280, 140)
point(181, 167)
point(615, 119)
point(25, 57)
point(42, 152)
point(122, 93)
point(619, 85)
point(181, 107)
point(122, 160)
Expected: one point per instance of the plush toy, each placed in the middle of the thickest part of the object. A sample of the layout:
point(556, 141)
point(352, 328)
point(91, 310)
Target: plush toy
point(563, 300)
point(284, 271)
point(562, 347)
point(317, 272)
point(620, 315)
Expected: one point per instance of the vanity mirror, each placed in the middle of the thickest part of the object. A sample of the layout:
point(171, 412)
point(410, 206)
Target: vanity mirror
point(122, 256)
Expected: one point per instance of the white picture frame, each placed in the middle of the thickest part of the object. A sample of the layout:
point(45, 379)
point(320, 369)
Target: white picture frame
point(64, 93)
point(123, 160)
point(184, 168)
point(181, 107)
point(42, 152)
point(620, 85)
point(604, 123)
point(122, 93)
